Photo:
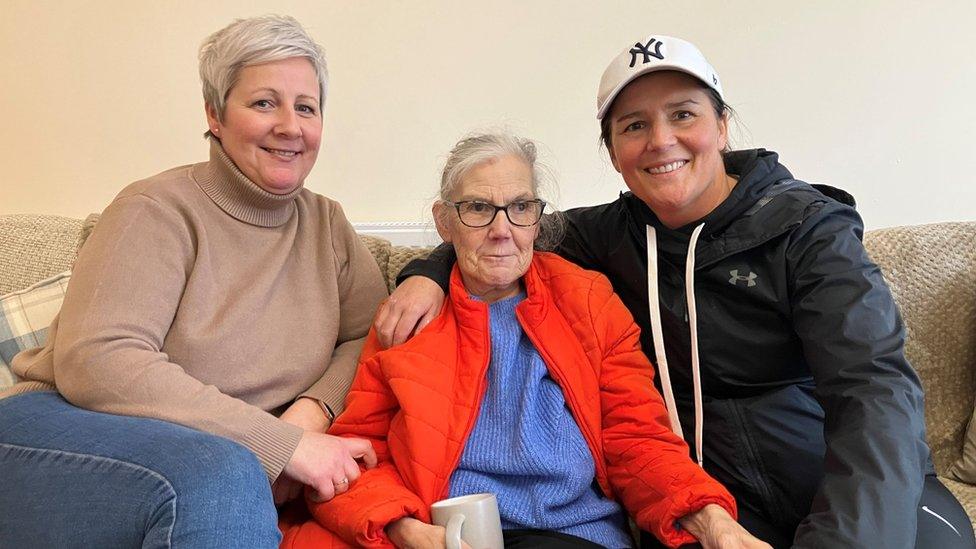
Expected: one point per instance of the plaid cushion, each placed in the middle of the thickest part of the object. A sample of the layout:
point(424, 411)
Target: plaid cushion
point(24, 318)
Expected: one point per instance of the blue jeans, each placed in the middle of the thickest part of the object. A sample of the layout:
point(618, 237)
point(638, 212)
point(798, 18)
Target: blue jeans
point(74, 478)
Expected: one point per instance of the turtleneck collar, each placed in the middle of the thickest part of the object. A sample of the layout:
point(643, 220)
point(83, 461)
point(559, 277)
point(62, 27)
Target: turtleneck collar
point(238, 196)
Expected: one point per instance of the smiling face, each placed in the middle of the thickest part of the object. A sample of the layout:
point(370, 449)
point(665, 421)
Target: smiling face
point(492, 259)
point(271, 127)
point(667, 141)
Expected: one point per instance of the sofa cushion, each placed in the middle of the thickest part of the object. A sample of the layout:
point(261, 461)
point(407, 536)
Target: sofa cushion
point(24, 318)
point(380, 249)
point(931, 270)
point(399, 257)
point(35, 247)
point(87, 226)
point(964, 469)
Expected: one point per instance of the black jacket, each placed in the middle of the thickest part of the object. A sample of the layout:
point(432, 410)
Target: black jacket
point(813, 417)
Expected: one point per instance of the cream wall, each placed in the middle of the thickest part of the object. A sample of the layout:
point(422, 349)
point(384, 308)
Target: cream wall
point(875, 96)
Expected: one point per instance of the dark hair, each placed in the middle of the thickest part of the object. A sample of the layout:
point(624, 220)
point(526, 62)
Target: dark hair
point(721, 109)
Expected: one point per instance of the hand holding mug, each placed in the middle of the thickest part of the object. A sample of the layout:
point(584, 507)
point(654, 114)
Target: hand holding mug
point(410, 533)
point(469, 519)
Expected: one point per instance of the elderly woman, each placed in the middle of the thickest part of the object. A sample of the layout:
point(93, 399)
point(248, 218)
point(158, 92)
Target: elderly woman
point(530, 384)
point(211, 328)
point(786, 351)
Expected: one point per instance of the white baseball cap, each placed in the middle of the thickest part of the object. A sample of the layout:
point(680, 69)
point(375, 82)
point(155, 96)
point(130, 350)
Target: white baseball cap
point(654, 53)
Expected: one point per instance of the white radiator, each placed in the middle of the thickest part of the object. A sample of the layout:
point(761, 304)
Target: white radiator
point(402, 233)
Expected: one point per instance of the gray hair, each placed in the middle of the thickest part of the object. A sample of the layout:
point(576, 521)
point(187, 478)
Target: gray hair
point(477, 149)
point(254, 41)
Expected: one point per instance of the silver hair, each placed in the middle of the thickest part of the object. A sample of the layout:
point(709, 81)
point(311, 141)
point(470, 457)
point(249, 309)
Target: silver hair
point(477, 149)
point(253, 41)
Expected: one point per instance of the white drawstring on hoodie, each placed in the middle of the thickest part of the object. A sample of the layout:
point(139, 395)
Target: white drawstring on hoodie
point(654, 304)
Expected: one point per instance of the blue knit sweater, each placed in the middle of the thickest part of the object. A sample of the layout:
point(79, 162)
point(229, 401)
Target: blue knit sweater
point(527, 449)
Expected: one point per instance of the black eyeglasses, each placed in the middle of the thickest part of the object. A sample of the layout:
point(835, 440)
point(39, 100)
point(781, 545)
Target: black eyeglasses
point(521, 213)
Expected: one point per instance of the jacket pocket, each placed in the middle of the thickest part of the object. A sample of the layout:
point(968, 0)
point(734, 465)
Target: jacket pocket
point(784, 429)
point(768, 450)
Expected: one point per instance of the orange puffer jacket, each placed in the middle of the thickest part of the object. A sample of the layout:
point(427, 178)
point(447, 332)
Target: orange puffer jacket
point(418, 402)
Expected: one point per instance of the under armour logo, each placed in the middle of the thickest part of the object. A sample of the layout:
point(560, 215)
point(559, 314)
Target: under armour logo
point(736, 278)
point(645, 50)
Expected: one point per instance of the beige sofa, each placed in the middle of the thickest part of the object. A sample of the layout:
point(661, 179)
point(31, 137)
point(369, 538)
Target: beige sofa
point(931, 270)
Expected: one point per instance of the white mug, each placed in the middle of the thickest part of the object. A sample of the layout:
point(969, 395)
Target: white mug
point(473, 518)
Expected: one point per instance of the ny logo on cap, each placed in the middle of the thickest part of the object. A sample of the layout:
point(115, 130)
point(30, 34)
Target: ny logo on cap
point(736, 278)
point(645, 50)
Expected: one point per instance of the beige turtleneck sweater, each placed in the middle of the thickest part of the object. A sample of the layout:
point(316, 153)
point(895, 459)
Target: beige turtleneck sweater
point(204, 300)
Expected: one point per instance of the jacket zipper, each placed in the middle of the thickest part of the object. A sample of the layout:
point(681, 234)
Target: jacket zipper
point(757, 472)
point(480, 397)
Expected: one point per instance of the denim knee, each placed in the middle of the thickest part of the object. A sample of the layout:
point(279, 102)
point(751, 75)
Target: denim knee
point(222, 494)
point(75, 478)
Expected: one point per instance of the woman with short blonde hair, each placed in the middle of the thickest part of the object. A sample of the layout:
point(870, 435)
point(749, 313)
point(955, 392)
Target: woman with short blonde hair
point(208, 336)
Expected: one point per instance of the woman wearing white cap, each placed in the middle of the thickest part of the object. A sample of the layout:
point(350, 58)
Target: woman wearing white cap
point(779, 347)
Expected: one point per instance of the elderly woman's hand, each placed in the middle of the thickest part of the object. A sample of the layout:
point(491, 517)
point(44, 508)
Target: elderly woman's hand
point(716, 529)
point(328, 464)
point(410, 533)
point(411, 307)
